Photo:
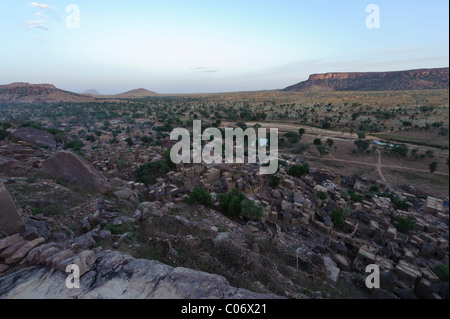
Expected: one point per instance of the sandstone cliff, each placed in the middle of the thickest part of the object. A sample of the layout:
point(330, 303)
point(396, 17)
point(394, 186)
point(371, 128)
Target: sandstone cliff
point(423, 79)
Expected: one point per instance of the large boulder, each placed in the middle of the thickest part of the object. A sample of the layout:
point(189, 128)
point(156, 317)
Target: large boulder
point(114, 275)
point(73, 169)
point(10, 166)
point(35, 137)
point(11, 221)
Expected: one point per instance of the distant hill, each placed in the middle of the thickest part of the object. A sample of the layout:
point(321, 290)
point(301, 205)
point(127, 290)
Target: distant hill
point(422, 79)
point(37, 93)
point(133, 94)
point(91, 92)
point(48, 93)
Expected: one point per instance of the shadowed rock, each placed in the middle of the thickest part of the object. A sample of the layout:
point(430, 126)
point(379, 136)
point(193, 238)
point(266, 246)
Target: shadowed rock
point(11, 221)
point(35, 137)
point(73, 169)
point(116, 275)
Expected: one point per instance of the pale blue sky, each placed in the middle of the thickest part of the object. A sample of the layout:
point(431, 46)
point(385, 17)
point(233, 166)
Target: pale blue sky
point(175, 46)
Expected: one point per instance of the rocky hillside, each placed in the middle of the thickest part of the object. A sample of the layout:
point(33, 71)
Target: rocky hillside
point(422, 79)
point(36, 93)
point(133, 94)
point(48, 93)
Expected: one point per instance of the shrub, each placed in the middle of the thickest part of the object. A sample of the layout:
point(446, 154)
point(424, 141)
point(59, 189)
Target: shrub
point(199, 196)
point(168, 160)
point(3, 134)
point(354, 196)
point(147, 173)
point(298, 170)
point(317, 141)
point(322, 195)
point(74, 145)
point(129, 141)
point(441, 271)
point(337, 218)
point(274, 181)
point(251, 210)
point(235, 205)
point(404, 224)
point(230, 204)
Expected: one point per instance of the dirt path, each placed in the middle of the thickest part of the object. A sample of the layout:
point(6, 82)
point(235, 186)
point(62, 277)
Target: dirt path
point(379, 167)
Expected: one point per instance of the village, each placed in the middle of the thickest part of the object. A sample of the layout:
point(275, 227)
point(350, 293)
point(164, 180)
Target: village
point(402, 231)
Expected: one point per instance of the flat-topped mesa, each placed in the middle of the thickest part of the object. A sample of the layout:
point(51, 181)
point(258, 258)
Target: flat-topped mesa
point(28, 85)
point(421, 79)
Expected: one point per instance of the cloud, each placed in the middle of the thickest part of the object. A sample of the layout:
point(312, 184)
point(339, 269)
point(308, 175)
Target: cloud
point(204, 69)
point(38, 24)
point(41, 6)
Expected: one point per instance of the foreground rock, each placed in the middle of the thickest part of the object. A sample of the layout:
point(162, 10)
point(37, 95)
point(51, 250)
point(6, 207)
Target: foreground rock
point(35, 137)
point(11, 221)
point(71, 168)
point(115, 275)
point(10, 166)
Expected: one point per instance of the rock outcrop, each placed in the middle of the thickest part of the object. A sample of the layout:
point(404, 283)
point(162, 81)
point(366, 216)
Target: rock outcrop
point(11, 221)
point(110, 275)
point(10, 166)
point(35, 137)
point(73, 169)
point(422, 79)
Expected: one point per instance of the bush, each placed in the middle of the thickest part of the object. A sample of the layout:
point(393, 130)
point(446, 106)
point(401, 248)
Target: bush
point(148, 173)
point(441, 271)
point(251, 210)
point(230, 204)
point(168, 160)
point(74, 145)
point(337, 218)
point(90, 138)
point(274, 181)
point(235, 205)
point(129, 141)
point(398, 203)
point(322, 195)
point(317, 141)
point(3, 134)
point(405, 224)
point(354, 196)
point(199, 196)
point(298, 170)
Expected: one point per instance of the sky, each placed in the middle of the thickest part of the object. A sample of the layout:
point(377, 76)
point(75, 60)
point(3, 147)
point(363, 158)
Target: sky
point(203, 46)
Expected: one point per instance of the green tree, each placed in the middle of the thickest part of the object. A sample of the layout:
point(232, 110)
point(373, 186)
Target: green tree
point(129, 141)
point(274, 181)
point(200, 196)
point(168, 160)
point(322, 195)
point(298, 170)
point(322, 150)
point(337, 218)
point(3, 133)
point(441, 270)
point(148, 173)
point(293, 137)
point(250, 210)
point(404, 224)
point(362, 145)
point(330, 143)
point(433, 167)
point(317, 141)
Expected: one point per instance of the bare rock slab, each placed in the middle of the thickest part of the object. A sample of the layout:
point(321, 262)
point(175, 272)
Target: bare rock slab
point(73, 169)
point(35, 137)
point(11, 221)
